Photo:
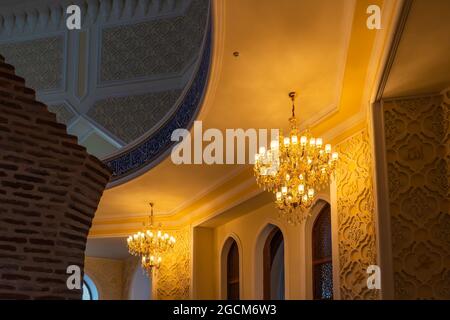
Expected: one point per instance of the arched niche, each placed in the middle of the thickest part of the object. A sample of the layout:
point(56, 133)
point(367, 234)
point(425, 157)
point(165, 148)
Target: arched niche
point(231, 284)
point(270, 265)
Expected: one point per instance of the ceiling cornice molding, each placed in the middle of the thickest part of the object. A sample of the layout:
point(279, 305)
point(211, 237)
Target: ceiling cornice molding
point(226, 200)
point(232, 192)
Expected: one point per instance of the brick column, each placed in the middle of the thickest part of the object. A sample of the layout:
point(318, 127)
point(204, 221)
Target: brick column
point(49, 191)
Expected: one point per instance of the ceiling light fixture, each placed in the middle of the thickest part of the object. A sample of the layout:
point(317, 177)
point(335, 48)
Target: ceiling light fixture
point(151, 244)
point(295, 168)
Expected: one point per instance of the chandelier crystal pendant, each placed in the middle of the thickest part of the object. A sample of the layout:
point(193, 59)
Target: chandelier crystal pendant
point(151, 244)
point(295, 168)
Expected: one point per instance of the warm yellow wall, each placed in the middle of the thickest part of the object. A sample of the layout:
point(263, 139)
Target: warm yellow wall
point(204, 271)
point(107, 275)
point(247, 229)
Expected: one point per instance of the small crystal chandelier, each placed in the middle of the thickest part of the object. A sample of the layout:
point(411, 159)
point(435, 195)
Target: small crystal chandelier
point(151, 244)
point(295, 168)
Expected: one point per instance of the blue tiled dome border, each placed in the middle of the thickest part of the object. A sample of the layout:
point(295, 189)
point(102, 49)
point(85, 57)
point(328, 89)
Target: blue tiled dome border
point(152, 150)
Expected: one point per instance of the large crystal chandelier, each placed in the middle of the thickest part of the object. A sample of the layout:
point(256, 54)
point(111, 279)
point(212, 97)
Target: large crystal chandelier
point(151, 244)
point(295, 168)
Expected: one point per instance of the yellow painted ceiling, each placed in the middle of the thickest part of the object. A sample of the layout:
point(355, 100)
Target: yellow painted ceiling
point(322, 49)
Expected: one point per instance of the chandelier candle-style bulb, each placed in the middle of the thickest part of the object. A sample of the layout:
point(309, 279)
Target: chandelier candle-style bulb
point(300, 165)
point(319, 142)
point(301, 188)
point(294, 139)
point(334, 156)
point(303, 140)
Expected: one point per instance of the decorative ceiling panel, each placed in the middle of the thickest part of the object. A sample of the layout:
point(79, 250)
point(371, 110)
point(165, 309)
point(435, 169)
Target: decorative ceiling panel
point(135, 71)
point(63, 113)
point(40, 61)
point(131, 117)
point(161, 46)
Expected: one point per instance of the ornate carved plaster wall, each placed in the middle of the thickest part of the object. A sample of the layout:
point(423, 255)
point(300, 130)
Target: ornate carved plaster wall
point(356, 221)
point(417, 146)
point(174, 275)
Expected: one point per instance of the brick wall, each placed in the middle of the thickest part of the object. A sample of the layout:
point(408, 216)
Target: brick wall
point(49, 191)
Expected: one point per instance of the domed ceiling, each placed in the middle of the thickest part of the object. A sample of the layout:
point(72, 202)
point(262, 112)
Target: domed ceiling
point(134, 73)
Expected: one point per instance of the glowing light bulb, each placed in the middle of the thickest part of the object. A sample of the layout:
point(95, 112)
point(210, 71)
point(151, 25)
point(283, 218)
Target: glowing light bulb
point(303, 140)
point(294, 139)
point(286, 141)
point(305, 198)
point(312, 141)
point(278, 195)
point(328, 148)
point(311, 193)
point(284, 190)
point(319, 142)
point(301, 188)
point(334, 156)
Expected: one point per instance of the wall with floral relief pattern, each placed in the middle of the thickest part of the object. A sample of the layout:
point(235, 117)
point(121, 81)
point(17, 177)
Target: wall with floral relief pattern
point(356, 217)
point(417, 144)
point(173, 278)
